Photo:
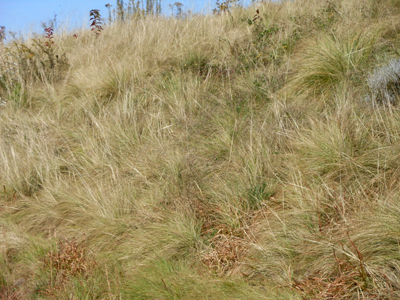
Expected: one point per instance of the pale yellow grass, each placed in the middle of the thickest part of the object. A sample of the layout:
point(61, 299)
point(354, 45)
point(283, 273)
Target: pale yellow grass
point(206, 159)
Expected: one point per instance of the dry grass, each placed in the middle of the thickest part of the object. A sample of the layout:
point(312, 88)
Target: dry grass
point(205, 158)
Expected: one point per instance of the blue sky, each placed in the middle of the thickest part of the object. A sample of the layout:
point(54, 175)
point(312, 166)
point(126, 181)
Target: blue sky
point(24, 16)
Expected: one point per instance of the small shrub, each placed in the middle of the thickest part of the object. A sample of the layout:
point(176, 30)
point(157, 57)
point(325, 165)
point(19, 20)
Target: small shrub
point(384, 83)
point(95, 17)
point(120, 10)
point(43, 61)
point(266, 45)
point(47, 47)
point(177, 6)
point(134, 9)
point(108, 5)
point(2, 34)
point(224, 7)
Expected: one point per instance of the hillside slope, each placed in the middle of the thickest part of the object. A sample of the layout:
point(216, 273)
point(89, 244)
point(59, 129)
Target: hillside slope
point(247, 155)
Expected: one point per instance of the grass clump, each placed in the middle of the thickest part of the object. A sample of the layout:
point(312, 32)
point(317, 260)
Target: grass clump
point(223, 156)
point(330, 64)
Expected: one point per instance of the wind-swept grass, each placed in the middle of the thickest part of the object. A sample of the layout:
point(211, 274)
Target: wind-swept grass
point(245, 155)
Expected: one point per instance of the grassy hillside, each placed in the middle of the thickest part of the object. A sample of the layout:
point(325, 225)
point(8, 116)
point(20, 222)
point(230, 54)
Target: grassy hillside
point(248, 155)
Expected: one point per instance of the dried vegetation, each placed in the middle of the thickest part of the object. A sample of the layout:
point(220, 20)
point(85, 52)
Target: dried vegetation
point(249, 154)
